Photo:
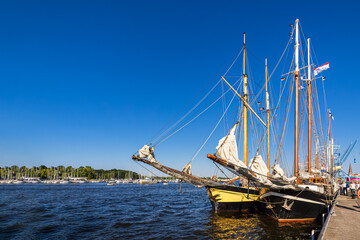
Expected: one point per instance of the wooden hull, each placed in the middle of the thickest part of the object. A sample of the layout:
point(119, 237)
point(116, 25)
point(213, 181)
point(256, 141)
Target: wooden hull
point(232, 199)
point(294, 205)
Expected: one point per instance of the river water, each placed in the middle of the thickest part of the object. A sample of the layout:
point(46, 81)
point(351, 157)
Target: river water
point(128, 211)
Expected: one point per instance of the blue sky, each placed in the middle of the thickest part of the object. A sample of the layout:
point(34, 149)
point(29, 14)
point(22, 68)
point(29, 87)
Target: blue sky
point(89, 82)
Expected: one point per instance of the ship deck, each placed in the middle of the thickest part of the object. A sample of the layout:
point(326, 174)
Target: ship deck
point(344, 224)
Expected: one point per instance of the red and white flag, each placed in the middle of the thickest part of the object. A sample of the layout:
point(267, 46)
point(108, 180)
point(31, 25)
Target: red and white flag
point(321, 68)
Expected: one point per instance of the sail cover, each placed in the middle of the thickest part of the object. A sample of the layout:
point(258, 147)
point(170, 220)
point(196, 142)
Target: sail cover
point(227, 148)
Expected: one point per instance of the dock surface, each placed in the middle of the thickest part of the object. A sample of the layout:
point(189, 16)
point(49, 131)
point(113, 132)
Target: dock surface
point(344, 224)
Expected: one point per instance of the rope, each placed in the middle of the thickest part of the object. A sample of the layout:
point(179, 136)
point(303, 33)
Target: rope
point(214, 127)
point(175, 116)
point(277, 64)
point(147, 169)
point(192, 119)
point(196, 105)
point(287, 110)
point(220, 169)
point(192, 109)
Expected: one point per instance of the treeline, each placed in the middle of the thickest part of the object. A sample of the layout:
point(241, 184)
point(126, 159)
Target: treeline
point(62, 172)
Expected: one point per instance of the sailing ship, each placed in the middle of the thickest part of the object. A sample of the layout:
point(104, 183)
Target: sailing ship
point(223, 197)
point(226, 197)
point(310, 192)
point(265, 189)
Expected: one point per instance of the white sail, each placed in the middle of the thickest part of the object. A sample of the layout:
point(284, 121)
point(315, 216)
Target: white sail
point(278, 173)
point(227, 148)
point(257, 165)
point(147, 152)
point(187, 168)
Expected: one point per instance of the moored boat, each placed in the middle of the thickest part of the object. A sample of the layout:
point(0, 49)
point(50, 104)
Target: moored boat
point(265, 189)
point(233, 199)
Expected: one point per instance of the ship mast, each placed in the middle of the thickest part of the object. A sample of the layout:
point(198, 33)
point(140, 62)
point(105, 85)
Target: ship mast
point(267, 117)
point(296, 124)
point(309, 108)
point(245, 92)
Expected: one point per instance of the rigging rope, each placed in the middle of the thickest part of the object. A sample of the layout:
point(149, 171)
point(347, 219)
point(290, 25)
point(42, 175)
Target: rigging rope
point(158, 139)
point(192, 119)
point(196, 105)
point(214, 127)
point(146, 168)
point(220, 169)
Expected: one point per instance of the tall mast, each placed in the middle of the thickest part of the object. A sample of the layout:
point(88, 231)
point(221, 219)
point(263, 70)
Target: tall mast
point(328, 157)
point(267, 117)
point(317, 163)
point(296, 125)
point(309, 108)
point(245, 92)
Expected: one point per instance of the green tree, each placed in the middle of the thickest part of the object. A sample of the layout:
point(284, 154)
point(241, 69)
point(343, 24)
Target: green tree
point(42, 167)
point(43, 173)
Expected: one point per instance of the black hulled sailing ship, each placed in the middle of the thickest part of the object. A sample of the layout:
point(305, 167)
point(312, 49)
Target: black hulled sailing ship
point(312, 192)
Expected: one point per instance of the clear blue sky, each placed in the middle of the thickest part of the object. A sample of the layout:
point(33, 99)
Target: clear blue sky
point(89, 82)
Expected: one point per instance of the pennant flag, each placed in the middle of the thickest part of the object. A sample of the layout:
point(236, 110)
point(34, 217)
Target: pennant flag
point(321, 68)
point(261, 109)
point(282, 79)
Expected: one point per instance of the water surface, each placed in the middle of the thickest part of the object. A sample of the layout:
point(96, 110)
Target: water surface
point(127, 211)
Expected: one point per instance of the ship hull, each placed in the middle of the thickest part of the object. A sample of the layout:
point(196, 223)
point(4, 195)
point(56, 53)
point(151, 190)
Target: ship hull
point(294, 205)
point(232, 199)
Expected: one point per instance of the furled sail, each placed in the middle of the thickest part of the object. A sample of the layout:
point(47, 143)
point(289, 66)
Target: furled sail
point(259, 168)
point(187, 168)
point(227, 148)
point(278, 173)
point(147, 152)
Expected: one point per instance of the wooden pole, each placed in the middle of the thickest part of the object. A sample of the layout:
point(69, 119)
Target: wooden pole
point(309, 108)
point(267, 117)
point(245, 96)
point(296, 124)
point(248, 106)
point(309, 126)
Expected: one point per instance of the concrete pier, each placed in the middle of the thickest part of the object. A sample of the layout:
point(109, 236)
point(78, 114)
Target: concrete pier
point(344, 223)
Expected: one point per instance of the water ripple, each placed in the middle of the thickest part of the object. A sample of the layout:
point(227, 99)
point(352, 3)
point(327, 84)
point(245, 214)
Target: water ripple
point(98, 211)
